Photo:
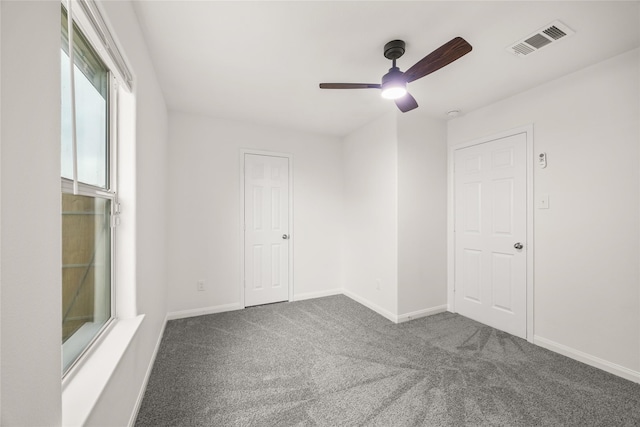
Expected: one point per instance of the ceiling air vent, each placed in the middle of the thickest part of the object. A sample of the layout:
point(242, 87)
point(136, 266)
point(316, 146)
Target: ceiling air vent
point(546, 35)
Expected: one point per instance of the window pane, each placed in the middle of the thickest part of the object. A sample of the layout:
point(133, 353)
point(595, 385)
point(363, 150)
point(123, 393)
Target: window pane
point(86, 272)
point(85, 57)
point(91, 129)
point(91, 94)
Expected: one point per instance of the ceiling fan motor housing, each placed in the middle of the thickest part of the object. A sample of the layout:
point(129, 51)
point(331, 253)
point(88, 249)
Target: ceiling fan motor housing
point(394, 76)
point(394, 49)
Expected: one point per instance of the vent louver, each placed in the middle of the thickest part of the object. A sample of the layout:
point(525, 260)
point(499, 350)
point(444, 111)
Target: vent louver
point(546, 35)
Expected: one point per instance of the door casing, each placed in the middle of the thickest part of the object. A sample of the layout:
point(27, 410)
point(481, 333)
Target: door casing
point(528, 131)
point(289, 156)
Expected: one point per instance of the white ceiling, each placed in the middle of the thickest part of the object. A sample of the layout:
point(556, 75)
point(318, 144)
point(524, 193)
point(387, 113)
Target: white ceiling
point(261, 62)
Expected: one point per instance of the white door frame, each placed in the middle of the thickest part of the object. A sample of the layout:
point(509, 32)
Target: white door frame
point(528, 131)
point(292, 235)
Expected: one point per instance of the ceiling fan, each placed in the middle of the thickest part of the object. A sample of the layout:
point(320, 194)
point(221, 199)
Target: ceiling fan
point(394, 83)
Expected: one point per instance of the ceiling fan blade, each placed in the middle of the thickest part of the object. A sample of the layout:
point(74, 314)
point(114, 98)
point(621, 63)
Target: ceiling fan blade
point(349, 86)
point(444, 55)
point(406, 103)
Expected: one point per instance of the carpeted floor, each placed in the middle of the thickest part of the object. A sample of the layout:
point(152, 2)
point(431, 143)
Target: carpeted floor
point(332, 362)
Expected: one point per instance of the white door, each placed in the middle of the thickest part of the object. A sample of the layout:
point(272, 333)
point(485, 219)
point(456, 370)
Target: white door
point(490, 231)
point(266, 231)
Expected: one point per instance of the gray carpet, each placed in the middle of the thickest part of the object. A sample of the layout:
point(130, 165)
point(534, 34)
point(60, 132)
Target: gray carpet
point(332, 362)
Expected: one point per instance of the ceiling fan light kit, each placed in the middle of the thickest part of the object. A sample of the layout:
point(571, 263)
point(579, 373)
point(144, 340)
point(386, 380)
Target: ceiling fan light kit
point(394, 83)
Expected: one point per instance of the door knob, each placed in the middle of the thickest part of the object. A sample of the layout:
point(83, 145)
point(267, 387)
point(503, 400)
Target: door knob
point(285, 236)
point(518, 246)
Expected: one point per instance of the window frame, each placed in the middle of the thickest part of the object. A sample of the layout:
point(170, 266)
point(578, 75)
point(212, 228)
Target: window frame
point(108, 193)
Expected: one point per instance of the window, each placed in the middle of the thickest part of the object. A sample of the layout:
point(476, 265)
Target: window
point(88, 196)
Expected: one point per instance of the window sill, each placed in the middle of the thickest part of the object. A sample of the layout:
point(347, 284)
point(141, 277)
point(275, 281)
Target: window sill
point(83, 387)
point(80, 340)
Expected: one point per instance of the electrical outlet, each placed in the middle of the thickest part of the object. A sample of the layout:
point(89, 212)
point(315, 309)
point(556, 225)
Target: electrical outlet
point(543, 201)
point(200, 285)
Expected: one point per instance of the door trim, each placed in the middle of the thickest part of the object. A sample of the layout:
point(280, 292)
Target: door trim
point(528, 131)
point(289, 156)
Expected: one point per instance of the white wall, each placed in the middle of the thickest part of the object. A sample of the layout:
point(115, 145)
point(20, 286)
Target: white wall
point(0, 213)
point(371, 214)
point(587, 279)
point(151, 170)
point(204, 209)
point(31, 235)
point(396, 215)
point(422, 214)
point(346, 215)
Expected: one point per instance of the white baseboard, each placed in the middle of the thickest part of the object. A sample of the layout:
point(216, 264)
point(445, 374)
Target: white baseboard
point(588, 359)
point(319, 294)
point(147, 375)
point(421, 313)
point(182, 314)
point(381, 311)
point(395, 318)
